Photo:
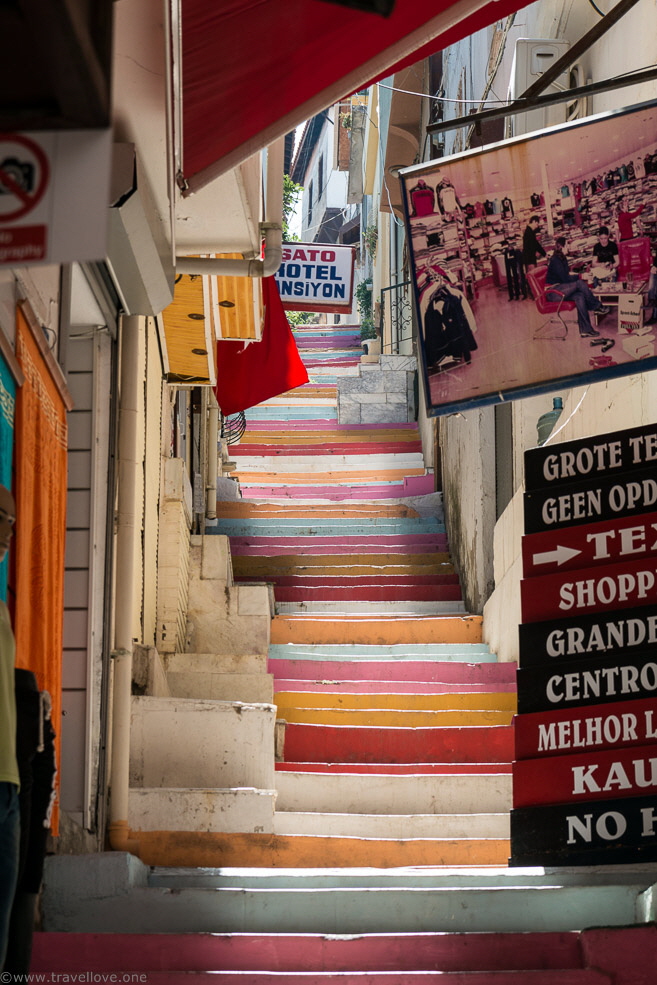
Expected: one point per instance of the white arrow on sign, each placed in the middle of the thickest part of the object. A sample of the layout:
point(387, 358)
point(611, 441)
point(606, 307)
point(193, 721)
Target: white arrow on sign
point(560, 554)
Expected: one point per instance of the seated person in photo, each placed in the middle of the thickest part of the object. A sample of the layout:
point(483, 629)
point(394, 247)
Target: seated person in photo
point(569, 287)
point(605, 252)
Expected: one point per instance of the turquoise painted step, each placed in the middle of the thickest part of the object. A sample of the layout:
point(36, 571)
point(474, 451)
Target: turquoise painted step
point(292, 413)
point(330, 528)
point(79, 895)
point(465, 652)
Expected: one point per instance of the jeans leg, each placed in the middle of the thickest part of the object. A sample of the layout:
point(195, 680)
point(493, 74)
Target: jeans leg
point(9, 843)
point(582, 306)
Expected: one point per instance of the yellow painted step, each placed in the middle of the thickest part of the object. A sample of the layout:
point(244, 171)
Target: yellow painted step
point(347, 564)
point(505, 701)
point(208, 849)
point(375, 718)
point(392, 630)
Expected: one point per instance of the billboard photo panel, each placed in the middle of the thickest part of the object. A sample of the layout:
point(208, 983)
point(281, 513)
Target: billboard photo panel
point(517, 290)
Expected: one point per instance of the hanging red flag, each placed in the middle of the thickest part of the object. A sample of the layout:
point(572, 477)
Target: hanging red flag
point(250, 372)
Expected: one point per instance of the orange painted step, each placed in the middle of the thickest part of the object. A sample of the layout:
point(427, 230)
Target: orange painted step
point(246, 508)
point(380, 631)
point(239, 850)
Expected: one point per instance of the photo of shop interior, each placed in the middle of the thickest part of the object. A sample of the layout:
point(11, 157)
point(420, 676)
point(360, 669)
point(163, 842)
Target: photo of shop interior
point(484, 229)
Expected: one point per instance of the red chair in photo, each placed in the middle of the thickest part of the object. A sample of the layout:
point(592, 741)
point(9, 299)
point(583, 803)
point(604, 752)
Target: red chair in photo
point(634, 260)
point(536, 281)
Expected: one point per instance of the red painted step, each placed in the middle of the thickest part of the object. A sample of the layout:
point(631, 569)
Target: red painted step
point(329, 448)
point(621, 955)
point(395, 769)
point(370, 593)
point(96, 953)
point(362, 744)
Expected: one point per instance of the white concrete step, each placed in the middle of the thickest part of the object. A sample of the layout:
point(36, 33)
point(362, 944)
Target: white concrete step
point(403, 609)
point(401, 826)
point(174, 809)
point(248, 664)
point(113, 892)
point(351, 793)
point(183, 742)
point(329, 463)
point(189, 683)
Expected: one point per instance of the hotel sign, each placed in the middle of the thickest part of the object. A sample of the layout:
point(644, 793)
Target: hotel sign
point(317, 277)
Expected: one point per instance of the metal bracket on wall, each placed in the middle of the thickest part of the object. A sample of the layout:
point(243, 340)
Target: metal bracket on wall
point(531, 98)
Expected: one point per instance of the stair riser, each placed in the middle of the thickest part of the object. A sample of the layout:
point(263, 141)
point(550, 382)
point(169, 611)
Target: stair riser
point(348, 911)
point(304, 743)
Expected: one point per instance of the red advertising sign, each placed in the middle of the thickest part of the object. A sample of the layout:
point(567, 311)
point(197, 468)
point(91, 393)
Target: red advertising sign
point(623, 723)
point(586, 776)
point(608, 542)
point(616, 586)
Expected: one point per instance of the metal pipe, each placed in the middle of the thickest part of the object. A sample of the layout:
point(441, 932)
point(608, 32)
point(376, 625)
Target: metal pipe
point(129, 467)
point(271, 228)
point(213, 437)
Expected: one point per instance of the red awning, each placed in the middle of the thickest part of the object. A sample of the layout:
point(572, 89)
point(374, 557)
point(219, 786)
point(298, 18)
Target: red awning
point(253, 70)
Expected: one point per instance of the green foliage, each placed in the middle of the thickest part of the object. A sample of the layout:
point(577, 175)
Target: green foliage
point(364, 301)
point(291, 193)
point(370, 239)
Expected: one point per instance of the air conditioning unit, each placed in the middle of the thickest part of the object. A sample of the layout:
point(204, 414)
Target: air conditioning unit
point(532, 58)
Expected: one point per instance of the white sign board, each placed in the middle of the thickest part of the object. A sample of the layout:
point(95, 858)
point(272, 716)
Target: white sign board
point(54, 196)
point(316, 277)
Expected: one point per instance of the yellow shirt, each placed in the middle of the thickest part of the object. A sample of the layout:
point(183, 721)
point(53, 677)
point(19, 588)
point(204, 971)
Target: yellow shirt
point(8, 764)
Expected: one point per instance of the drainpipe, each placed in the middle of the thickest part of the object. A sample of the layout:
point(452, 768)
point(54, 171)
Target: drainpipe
point(272, 229)
point(129, 465)
point(212, 458)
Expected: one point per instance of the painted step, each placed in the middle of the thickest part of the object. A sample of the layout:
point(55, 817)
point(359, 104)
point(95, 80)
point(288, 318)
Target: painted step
point(385, 685)
point(408, 487)
point(245, 508)
point(445, 629)
point(371, 794)
point(429, 563)
point(385, 600)
point(371, 718)
point(467, 652)
point(327, 526)
point(624, 951)
point(80, 896)
point(389, 826)
point(323, 597)
point(439, 671)
point(244, 809)
point(394, 769)
point(277, 546)
point(337, 449)
point(567, 977)
point(473, 701)
point(311, 580)
point(340, 744)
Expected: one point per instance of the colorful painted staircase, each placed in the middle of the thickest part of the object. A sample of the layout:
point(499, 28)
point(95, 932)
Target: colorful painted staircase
point(387, 862)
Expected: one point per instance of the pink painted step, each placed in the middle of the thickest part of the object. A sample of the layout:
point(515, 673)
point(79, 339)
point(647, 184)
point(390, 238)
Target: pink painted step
point(396, 687)
point(414, 485)
point(361, 744)
point(371, 593)
point(395, 769)
point(311, 581)
point(97, 953)
point(328, 448)
point(447, 672)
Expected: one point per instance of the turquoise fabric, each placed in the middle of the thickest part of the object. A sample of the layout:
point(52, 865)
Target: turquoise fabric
point(7, 411)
